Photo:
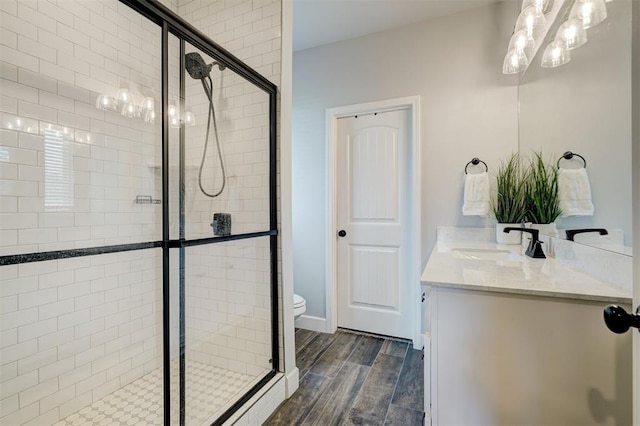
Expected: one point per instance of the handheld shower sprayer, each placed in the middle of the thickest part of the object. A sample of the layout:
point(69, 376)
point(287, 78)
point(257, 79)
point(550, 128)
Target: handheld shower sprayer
point(197, 67)
point(200, 70)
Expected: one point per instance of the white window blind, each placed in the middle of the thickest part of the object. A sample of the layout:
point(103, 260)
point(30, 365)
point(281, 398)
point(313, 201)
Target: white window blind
point(58, 172)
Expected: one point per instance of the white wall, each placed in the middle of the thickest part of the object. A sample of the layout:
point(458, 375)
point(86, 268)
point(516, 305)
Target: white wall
point(469, 109)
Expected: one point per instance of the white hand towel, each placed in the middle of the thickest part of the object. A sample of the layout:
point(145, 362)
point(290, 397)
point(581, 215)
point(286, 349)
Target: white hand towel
point(574, 192)
point(476, 194)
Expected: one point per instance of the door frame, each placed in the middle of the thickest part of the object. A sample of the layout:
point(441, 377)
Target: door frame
point(635, 185)
point(412, 103)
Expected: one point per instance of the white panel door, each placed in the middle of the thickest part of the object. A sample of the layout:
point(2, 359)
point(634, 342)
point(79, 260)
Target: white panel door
point(373, 211)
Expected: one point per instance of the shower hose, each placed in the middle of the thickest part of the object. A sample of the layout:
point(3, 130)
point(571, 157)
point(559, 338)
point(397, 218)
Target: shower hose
point(211, 116)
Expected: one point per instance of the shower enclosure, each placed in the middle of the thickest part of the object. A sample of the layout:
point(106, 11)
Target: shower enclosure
point(138, 256)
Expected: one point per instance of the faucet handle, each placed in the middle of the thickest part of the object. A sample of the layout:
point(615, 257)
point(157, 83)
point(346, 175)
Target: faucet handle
point(535, 249)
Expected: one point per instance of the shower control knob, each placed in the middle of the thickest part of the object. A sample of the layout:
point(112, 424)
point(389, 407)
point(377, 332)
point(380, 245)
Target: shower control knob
point(342, 233)
point(619, 321)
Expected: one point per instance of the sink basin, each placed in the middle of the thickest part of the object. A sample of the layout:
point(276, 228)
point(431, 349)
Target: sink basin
point(485, 254)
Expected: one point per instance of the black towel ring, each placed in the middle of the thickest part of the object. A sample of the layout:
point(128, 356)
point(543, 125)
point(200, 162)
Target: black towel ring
point(568, 156)
point(475, 161)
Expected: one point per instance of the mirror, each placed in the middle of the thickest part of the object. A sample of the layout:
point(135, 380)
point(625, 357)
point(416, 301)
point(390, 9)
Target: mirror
point(585, 107)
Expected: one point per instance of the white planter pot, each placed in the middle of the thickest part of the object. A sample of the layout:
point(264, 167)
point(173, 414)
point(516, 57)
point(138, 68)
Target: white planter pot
point(513, 237)
point(548, 229)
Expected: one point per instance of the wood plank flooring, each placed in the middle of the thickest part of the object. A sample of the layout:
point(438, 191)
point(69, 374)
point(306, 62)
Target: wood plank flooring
point(349, 378)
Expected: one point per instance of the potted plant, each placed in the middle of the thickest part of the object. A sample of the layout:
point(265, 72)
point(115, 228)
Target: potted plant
point(509, 205)
point(543, 206)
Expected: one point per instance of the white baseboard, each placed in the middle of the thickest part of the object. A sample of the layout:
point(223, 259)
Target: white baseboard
point(292, 382)
point(312, 323)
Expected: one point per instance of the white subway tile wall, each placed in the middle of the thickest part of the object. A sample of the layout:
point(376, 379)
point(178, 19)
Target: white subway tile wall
point(242, 123)
point(70, 171)
point(251, 30)
point(73, 331)
point(228, 305)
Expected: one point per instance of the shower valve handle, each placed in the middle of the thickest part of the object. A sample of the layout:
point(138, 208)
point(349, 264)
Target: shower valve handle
point(342, 233)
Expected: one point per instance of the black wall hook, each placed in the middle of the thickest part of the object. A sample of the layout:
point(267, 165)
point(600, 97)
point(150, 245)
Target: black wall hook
point(475, 161)
point(568, 156)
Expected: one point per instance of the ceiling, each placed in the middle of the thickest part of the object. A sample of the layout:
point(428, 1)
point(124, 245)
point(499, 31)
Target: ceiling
point(318, 22)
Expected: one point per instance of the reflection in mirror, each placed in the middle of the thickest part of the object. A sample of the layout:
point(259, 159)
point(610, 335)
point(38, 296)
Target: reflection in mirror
point(584, 106)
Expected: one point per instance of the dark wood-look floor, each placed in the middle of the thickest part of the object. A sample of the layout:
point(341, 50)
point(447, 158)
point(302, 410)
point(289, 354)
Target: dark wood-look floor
point(353, 379)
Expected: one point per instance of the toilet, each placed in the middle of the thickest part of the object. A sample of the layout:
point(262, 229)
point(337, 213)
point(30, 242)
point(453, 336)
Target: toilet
point(299, 306)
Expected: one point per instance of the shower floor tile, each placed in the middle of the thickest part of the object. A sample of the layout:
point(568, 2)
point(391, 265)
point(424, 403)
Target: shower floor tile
point(209, 391)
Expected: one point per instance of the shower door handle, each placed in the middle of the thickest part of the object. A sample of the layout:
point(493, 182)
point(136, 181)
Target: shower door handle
point(619, 321)
point(342, 233)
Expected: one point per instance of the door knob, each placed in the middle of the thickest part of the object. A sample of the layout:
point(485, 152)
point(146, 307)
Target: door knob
point(619, 321)
point(342, 233)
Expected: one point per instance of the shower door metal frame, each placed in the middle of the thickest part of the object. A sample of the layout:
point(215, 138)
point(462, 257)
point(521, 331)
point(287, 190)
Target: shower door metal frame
point(185, 32)
point(170, 23)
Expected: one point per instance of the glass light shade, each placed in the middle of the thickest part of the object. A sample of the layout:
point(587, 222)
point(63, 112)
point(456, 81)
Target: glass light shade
point(107, 103)
point(529, 20)
point(189, 119)
point(174, 122)
point(148, 104)
point(150, 117)
point(540, 5)
point(572, 33)
point(129, 109)
point(555, 55)
point(521, 41)
point(123, 96)
point(514, 62)
point(590, 12)
point(172, 111)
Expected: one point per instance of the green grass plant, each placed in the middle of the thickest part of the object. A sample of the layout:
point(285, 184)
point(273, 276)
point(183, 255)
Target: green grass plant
point(509, 204)
point(542, 191)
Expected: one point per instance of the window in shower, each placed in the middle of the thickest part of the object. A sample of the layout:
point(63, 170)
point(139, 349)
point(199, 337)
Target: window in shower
point(58, 171)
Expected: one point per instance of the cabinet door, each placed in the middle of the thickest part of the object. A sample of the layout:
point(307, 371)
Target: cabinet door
point(426, 339)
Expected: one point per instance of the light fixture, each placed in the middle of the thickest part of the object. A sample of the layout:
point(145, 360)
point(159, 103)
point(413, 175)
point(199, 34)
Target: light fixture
point(521, 41)
point(123, 96)
point(189, 119)
point(129, 109)
point(125, 103)
point(148, 104)
point(107, 103)
point(590, 12)
point(555, 55)
point(530, 19)
point(149, 117)
point(514, 62)
point(174, 119)
point(572, 33)
point(172, 110)
point(542, 6)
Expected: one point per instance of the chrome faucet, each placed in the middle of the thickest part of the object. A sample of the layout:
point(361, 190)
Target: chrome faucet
point(535, 245)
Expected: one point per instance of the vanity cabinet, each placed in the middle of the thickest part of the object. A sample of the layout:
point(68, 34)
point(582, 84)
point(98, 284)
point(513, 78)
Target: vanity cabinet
point(511, 340)
point(508, 359)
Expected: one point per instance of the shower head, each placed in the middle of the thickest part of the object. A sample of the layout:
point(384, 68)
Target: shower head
point(197, 67)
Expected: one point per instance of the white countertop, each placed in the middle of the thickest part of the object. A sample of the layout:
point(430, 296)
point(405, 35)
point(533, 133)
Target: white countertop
point(504, 268)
